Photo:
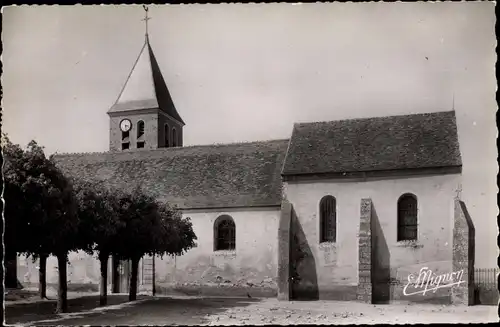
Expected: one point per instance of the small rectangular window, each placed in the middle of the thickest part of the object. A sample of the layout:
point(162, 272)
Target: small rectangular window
point(125, 146)
point(140, 145)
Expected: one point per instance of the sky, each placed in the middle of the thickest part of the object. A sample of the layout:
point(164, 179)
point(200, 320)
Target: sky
point(245, 72)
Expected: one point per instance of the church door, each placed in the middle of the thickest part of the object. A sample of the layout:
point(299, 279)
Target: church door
point(121, 276)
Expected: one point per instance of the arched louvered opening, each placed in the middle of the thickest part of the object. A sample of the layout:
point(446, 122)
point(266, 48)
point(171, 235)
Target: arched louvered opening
point(140, 134)
point(166, 135)
point(140, 129)
point(174, 137)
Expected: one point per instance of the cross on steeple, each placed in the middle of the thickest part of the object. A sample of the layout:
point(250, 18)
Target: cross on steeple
point(146, 18)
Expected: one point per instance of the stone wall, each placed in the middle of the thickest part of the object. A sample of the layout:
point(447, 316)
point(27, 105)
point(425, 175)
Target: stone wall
point(284, 239)
point(364, 291)
point(150, 131)
point(162, 120)
point(83, 273)
point(251, 268)
point(336, 265)
point(463, 255)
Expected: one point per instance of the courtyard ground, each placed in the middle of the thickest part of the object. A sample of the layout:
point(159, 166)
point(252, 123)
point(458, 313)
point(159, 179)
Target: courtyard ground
point(238, 311)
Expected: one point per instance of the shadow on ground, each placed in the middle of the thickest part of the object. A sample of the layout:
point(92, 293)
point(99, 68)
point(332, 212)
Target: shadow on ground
point(26, 312)
point(19, 294)
point(156, 311)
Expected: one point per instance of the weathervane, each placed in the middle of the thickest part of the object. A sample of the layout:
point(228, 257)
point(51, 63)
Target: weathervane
point(146, 18)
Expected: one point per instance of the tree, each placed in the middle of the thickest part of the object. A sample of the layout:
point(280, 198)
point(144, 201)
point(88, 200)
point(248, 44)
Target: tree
point(149, 227)
point(13, 213)
point(99, 223)
point(41, 210)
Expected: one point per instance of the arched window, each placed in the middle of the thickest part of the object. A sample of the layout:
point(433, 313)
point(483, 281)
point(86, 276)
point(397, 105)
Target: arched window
point(224, 233)
point(140, 129)
point(140, 134)
point(166, 134)
point(174, 137)
point(407, 217)
point(328, 219)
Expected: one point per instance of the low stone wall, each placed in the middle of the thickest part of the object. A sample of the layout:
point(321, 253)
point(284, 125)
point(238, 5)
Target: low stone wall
point(486, 295)
point(82, 287)
point(72, 287)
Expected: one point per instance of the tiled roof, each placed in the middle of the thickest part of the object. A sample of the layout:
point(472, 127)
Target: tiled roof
point(374, 144)
point(231, 175)
point(145, 87)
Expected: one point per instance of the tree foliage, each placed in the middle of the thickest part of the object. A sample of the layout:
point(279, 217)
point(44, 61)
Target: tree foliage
point(149, 228)
point(98, 218)
point(39, 202)
point(99, 223)
point(49, 214)
point(128, 226)
point(40, 210)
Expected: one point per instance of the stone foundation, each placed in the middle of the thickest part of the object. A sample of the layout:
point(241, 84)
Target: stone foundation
point(221, 290)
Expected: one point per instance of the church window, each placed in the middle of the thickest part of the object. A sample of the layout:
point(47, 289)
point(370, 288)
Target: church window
point(140, 145)
point(224, 233)
point(407, 217)
point(328, 219)
point(174, 137)
point(166, 134)
point(140, 129)
point(125, 146)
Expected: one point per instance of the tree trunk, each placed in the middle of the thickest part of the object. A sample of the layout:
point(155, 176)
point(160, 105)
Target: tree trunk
point(42, 276)
point(133, 280)
point(153, 279)
point(62, 291)
point(103, 297)
point(10, 269)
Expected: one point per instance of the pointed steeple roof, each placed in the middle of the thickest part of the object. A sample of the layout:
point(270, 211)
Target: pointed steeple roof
point(145, 87)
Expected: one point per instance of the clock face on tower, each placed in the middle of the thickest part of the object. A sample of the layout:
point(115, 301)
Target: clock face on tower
point(125, 125)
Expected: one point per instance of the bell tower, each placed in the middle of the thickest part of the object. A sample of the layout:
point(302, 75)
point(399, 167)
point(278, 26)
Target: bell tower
point(144, 115)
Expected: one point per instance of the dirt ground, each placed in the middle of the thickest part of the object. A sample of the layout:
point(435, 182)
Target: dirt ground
point(239, 311)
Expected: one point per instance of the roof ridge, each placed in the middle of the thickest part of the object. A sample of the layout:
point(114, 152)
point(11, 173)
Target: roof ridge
point(373, 117)
point(179, 148)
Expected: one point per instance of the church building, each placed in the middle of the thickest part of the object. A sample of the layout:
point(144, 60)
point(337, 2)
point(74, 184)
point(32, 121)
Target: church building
point(343, 210)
